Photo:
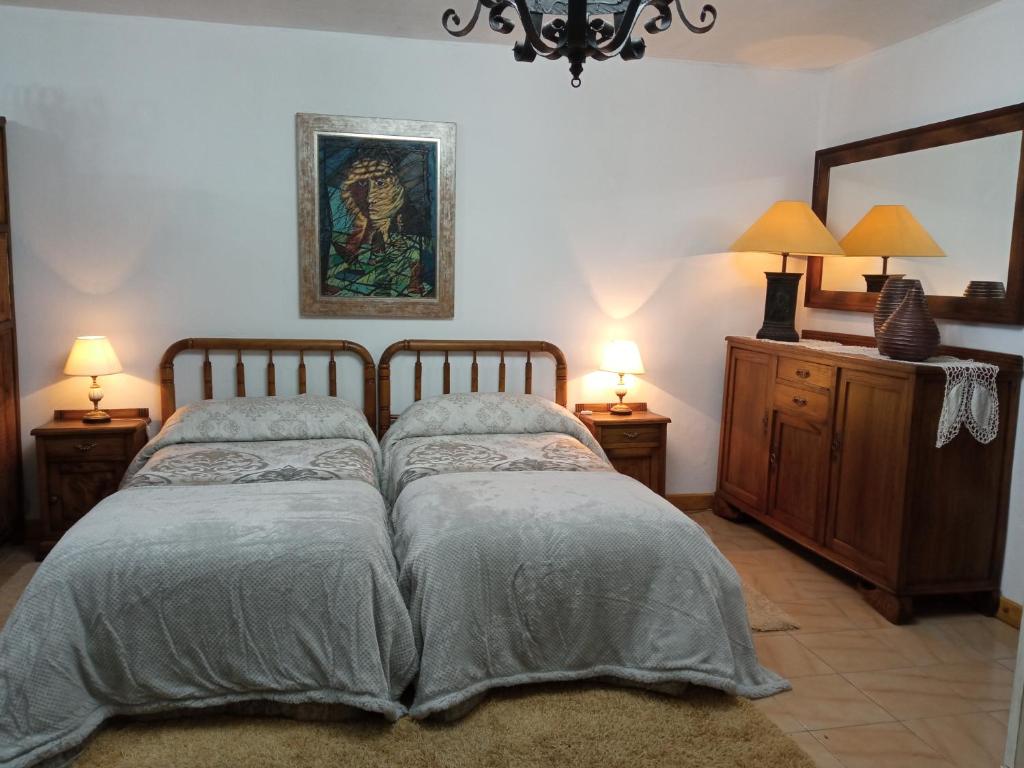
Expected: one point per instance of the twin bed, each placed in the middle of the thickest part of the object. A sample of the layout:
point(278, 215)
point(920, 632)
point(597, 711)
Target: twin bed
point(269, 554)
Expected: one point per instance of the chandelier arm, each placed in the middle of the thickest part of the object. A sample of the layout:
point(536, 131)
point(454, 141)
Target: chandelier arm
point(625, 29)
point(451, 20)
point(707, 10)
point(496, 18)
point(533, 35)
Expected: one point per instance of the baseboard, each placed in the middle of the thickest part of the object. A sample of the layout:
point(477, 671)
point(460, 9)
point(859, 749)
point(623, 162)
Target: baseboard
point(1009, 612)
point(691, 502)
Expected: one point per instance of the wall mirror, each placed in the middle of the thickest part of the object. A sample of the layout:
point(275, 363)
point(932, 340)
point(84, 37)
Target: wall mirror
point(963, 181)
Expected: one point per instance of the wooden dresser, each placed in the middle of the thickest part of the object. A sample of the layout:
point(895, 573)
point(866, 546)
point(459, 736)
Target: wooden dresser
point(837, 452)
point(10, 429)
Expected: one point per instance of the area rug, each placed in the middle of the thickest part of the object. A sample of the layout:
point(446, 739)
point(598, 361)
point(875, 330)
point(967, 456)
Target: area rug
point(764, 615)
point(550, 726)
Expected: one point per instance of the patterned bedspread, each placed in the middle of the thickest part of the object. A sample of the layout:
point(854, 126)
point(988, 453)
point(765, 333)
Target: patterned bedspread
point(269, 461)
point(420, 457)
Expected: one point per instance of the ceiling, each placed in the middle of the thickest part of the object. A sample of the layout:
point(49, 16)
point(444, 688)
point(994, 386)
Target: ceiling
point(790, 34)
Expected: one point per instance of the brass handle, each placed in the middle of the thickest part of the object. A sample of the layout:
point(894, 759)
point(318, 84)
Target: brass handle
point(803, 374)
point(799, 401)
point(837, 444)
point(85, 447)
point(631, 435)
point(772, 458)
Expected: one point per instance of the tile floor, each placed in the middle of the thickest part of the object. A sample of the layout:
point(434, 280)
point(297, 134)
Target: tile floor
point(866, 693)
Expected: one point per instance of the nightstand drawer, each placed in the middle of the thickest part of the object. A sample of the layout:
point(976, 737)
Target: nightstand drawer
point(87, 448)
point(802, 402)
point(629, 435)
point(802, 372)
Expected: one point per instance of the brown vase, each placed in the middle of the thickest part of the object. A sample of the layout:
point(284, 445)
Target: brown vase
point(910, 333)
point(893, 292)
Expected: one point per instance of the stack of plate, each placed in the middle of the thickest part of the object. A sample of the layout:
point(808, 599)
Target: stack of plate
point(985, 289)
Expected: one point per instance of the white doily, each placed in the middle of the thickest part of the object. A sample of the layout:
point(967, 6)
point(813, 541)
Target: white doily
point(971, 398)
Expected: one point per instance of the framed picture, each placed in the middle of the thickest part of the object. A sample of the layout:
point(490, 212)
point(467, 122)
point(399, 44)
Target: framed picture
point(376, 217)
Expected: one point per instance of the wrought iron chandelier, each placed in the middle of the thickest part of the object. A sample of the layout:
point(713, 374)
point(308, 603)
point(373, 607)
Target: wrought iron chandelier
point(581, 29)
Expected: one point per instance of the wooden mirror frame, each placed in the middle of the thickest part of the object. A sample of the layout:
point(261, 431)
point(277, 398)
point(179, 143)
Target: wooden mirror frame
point(982, 125)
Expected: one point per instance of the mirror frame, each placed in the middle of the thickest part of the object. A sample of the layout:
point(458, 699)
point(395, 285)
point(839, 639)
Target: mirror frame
point(982, 125)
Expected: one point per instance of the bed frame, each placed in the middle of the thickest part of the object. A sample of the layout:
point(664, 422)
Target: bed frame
point(421, 346)
point(270, 346)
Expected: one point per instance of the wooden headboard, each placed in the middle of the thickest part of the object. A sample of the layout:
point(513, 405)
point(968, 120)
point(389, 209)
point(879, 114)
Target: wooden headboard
point(270, 346)
point(421, 346)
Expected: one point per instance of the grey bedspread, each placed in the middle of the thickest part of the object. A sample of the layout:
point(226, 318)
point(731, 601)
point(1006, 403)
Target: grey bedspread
point(525, 576)
point(175, 594)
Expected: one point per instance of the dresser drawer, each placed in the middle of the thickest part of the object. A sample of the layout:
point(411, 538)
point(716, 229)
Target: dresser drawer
point(87, 448)
point(630, 435)
point(803, 372)
point(801, 402)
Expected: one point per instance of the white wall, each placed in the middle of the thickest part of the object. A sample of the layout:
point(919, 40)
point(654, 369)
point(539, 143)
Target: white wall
point(965, 67)
point(153, 194)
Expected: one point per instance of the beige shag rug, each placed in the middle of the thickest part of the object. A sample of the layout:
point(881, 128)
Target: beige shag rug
point(764, 615)
point(551, 726)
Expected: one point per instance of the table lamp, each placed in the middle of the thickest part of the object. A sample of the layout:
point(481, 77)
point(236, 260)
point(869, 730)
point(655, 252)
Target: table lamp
point(788, 228)
point(622, 357)
point(889, 231)
point(93, 356)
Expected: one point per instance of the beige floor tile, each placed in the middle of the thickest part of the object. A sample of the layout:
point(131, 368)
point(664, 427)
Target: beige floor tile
point(797, 585)
point(987, 636)
point(816, 615)
point(968, 741)
point(853, 651)
point(926, 644)
point(1010, 664)
point(783, 654)
point(909, 694)
point(988, 684)
point(887, 745)
point(826, 701)
point(860, 614)
point(1003, 716)
point(815, 750)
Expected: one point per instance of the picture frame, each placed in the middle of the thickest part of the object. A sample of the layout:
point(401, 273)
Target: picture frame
point(376, 214)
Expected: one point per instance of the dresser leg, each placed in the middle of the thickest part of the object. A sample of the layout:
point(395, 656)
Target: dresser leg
point(899, 609)
point(726, 511)
point(986, 602)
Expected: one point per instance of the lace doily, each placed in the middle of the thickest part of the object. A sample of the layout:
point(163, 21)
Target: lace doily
point(971, 399)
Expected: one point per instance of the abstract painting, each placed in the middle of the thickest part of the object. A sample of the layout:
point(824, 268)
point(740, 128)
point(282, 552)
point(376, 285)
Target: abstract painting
point(376, 217)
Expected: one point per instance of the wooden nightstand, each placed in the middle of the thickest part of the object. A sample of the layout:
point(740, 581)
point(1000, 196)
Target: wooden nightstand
point(635, 443)
point(80, 464)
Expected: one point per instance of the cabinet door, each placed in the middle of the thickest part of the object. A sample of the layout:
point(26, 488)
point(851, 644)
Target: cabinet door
point(635, 463)
point(798, 488)
point(743, 467)
point(9, 464)
point(869, 469)
point(76, 487)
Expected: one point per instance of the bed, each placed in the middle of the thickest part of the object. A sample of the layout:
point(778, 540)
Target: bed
point(244, 564)
point(524, 557)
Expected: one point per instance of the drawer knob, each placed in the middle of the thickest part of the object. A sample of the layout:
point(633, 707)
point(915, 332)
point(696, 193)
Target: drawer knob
point(631, 435)
point(799, 401)
point(802, 373)
point(85, 447)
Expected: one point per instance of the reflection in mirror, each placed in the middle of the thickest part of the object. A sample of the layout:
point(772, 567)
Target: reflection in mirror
point(962, 194)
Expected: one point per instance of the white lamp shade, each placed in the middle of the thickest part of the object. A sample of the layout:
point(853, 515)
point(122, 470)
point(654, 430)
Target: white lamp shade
point(622, 357)
point(92, 356)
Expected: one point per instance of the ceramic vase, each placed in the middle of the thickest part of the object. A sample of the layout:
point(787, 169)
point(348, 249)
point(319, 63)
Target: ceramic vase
point(910, 332)
point(893, 292)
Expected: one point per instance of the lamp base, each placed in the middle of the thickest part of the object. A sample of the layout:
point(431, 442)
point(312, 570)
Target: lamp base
point(620, 409)
point(875, 283)
point(96, 417)
point(780, 307)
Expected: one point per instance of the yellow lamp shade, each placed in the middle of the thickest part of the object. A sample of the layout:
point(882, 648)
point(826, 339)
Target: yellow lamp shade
point(92, 356)
point(890, 230)
point(622, 357)
point(789, 227)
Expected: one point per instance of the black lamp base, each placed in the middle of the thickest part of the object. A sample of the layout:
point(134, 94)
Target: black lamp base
point(875, 283)
point(780, 307)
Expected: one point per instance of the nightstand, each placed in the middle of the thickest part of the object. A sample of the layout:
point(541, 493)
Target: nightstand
point(80, 464)
point(635, 444)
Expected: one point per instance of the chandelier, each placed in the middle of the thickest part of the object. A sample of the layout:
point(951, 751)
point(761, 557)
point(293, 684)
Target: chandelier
point(581, 29)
